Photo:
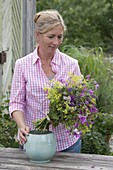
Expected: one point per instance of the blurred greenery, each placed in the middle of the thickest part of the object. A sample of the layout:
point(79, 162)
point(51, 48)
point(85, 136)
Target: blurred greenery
point(89, 23)
point(95, 143)
point(93, 62)
point(8, 128)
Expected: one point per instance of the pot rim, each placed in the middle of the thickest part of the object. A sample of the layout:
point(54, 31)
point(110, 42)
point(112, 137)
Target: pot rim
point(39, 132)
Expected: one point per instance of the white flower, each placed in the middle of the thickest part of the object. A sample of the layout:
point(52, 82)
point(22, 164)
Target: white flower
point(67, 98)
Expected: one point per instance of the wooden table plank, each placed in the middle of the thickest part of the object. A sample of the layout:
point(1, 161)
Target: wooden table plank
point(16, 159)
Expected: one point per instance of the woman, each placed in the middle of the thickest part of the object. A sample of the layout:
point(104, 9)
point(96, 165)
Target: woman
point(34, 71)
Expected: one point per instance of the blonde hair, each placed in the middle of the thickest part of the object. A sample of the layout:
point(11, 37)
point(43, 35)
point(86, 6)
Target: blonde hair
point(46, 20)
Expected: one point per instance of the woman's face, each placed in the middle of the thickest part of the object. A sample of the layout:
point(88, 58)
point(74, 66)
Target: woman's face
point(51, 40)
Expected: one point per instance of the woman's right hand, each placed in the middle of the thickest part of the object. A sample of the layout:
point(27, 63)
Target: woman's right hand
point(22, 133)
point(23, 129)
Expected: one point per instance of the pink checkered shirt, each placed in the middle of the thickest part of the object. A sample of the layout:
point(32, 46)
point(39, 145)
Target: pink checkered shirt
point(28, 96)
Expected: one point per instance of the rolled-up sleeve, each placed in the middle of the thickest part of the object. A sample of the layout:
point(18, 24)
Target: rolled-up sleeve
point(17, 95)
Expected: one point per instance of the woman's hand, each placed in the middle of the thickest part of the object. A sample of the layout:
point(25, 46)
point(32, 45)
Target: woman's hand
point(22, 133)
point(23, 129)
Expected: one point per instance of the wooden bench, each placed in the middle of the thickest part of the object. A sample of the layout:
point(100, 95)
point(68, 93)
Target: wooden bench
point(15, 159)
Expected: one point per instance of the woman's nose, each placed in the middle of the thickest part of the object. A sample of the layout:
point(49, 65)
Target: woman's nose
point(56, 41)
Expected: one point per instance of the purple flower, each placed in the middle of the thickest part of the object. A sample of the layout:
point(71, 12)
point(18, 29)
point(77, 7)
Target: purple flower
point(68, 131)
point(90, 91)
point(76, 125)
point(81, 112)
point(95, 82)
point(72, 98)
point(87, 124)
point(71, 104)
point(70, 89)
point(46, 91)
point(96, 86)
point(62, 81)
point(82, 119)
point(93, 109)
point(82, 94)
point(84, 89)
point(86, 102)
point(88, 77)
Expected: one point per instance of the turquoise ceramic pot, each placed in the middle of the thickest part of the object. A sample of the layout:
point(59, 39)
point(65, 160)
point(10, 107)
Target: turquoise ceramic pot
point(40, 148)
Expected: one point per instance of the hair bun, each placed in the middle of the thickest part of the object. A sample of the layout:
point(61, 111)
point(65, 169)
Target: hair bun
point(36, 17)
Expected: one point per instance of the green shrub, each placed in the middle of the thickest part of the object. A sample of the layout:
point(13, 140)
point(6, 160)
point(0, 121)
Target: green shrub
point(8, 128)
point(103, 123)
point(95, 143)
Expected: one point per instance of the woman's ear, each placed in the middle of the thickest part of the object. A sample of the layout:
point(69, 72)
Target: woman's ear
point(37, 36)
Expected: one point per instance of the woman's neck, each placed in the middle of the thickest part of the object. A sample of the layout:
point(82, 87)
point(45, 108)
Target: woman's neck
point(45, 58)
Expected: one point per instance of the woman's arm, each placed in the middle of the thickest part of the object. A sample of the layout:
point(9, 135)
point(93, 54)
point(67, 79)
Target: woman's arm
point(17, 100)
point(24, 130)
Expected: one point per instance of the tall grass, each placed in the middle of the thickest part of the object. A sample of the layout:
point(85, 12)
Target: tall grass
point(93, 62)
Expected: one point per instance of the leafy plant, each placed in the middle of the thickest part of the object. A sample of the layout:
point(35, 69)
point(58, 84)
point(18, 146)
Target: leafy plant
point(94, 143)
point(97, 140)
point(104, 124)
point(8, 128)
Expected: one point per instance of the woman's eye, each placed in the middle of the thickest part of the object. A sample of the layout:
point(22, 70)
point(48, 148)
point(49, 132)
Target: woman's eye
point(60, 37)
point(50, 36)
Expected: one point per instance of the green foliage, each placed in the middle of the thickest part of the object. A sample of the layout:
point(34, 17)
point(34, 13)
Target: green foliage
point(92, 61)
point(97, 140)
point(95, 143)
point(89, 23)
point(8, 128)
point(104, 124)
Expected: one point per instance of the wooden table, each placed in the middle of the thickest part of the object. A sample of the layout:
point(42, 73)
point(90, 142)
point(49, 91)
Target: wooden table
point(15, 159)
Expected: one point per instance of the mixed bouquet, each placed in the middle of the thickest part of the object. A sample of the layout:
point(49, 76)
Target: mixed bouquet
point(72, 103)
